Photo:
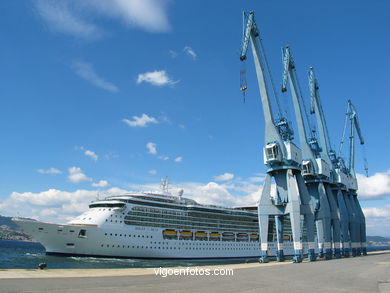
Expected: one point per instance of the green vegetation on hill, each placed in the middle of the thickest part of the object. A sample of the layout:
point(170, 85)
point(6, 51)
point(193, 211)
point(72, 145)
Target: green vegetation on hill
point(9, 230)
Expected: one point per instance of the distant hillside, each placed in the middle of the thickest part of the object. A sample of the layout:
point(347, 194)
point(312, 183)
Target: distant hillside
point(377, 241)
point(9, 230)
point(8, 222)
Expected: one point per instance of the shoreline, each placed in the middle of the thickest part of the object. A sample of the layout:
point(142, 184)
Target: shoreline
point(121, 272)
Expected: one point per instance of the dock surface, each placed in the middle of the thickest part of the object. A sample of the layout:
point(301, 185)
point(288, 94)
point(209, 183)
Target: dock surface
point(360, 274)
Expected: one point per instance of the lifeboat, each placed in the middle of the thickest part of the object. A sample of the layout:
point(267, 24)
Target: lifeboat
point(169, 234)
point(214, 236)
point(254, 237)
point(200, 235)
point(185, 234)
point(242, 237)
point(228, 236)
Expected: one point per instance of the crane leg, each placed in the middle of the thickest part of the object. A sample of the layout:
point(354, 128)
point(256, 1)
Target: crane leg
point(358, 222)
point(307, 212)
point(263, 224)
point(264, 209)
point(362, 227)
point(279, 234)
point(295, 189)
point(344, 235)
point(352, 223)
point(335, 221)
point(320, 237)
point(296, 231)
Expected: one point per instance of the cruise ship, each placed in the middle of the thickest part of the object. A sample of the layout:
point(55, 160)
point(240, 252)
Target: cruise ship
point(155, 225)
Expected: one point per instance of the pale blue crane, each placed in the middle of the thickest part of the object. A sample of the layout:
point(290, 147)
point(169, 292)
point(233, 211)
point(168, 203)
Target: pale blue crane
point(283, 159)
point(340, 181)
point(359, 237)
point(315, 169)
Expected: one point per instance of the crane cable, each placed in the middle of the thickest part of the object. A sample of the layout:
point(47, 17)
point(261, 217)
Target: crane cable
point(271, 79)
point(344, 130)
point(310, 125)
point(243, 82)
point(365, 162)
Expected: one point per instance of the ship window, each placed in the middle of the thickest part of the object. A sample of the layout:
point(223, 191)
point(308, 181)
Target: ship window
point(83, 233)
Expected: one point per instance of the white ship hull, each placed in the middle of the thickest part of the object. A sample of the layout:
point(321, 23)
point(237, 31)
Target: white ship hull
point(135, 242)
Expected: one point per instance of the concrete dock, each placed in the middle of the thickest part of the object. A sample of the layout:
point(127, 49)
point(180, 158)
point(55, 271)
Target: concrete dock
point(361, 274)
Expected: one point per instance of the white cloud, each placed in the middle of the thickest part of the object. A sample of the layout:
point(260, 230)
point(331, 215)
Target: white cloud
point(157, 78)
point(173, 54)
point(52, 205)
point(49, 171)
point(163, 157)
point(76, 175)
point(378, 220)
point(60, 16)
point(152, 148)
point(111, 155)
point(101, 183)
point(79, 18)
point(86, 71)
point(375, 186)
point(224, 177)
point(91, 154)
point(142, 121)
point(178, 159)
point(189, 51)
point(152, 172)
point(149, 15)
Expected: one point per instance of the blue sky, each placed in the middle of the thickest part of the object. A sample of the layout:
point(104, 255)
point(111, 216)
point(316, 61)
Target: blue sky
point(106, 98)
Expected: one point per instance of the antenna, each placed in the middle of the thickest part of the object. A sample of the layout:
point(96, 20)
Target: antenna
point(164, 185)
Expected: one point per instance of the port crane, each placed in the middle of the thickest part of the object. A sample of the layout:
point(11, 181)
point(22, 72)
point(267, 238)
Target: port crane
point(283, 159)
point(315, 170)
point(360, 225)
point(339, 180)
